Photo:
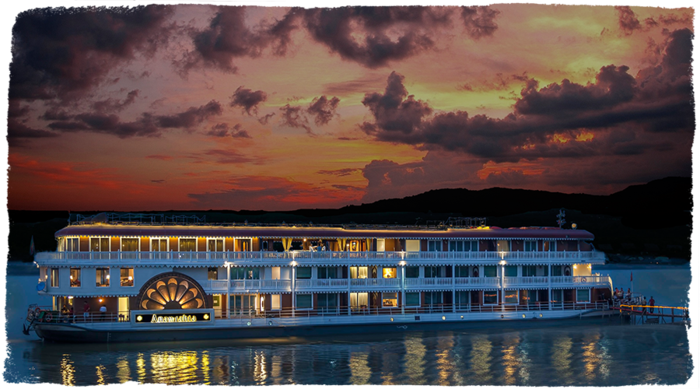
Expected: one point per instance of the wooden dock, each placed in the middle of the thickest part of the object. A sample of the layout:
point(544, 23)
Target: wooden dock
point(649, 314)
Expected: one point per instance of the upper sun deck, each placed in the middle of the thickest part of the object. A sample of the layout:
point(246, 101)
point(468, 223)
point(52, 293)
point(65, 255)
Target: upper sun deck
point(323, 232)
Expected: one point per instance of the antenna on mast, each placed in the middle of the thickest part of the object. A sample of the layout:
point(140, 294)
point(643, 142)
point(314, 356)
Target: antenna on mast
point(560, 217)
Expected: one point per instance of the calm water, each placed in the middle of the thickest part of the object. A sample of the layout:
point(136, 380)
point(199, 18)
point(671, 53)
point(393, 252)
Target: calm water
point(598, 355)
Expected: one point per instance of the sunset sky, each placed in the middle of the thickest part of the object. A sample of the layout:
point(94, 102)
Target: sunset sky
point(208, 107)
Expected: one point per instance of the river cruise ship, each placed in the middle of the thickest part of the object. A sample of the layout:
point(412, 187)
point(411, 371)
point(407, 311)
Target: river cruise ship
point(124, 278)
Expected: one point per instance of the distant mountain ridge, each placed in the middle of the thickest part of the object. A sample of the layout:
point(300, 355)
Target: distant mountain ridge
point(669, 196)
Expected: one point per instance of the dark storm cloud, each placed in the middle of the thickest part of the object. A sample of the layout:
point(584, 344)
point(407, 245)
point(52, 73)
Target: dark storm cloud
point(613, 86)
point(337, 28)
point(479, 21)
point(293, 116)
point(323, 109)
point(192, 117)
point(63, 53)
point(147, 124)
point(228, 37)
point(221, 130)
point(112, 105)
point(18, 133)
point(248, 99)
point(395, 111)
point(339, 172)
point(658, 100)
point(263, 120)
point(627, 20)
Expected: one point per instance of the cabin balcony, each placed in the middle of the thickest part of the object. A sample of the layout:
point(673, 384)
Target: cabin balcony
point(410, 284)
point(273, 258)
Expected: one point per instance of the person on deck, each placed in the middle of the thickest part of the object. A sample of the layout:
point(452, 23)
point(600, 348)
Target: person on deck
point(103, 312)
point(629, 294)
point(86, 311)
point(644, 305)
point(651, 304)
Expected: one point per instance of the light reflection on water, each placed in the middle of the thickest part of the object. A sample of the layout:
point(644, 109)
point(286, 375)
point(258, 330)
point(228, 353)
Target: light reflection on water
point(576, 356)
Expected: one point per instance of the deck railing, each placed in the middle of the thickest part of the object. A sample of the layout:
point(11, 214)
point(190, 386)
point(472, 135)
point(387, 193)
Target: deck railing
point(50, 316)
point(410, 284)
point(244, 258)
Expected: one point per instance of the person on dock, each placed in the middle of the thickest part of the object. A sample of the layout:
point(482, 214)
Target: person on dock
point(629, 294)
point(651, 304)
point(644, 305)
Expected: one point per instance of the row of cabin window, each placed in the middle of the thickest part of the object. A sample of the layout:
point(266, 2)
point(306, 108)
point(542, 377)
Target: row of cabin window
point(329, 301)
point(102, 277)
point(217, 245)
point(240, 273)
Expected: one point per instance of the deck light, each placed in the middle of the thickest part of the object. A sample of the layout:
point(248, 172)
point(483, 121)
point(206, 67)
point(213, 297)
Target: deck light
point(540, 315)
point(502, 263)
point(107, 276)
point(461, 317)
point(443, 318)
point(294, 263)
point(206, 316)
point(139, 318)
point(392, 319)
point(402, 263)
point(248, 323)
point(100, 300)
point(523, 315)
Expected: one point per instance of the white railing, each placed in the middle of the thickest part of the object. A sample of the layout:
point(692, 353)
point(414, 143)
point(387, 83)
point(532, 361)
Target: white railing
point(243, 258)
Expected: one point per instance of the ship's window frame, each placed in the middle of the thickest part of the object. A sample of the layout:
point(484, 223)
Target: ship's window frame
point(388, 297)
point(412, 271)
point(55, 277)
point(434, 245)
point(412, 299)
point(75, 283)
point(327, 272)
point(105, 277)
point(160, 240)
point(557, 296)
point(389, 272)
point(305, 296)
point(124, 277)
point(276, 273)
point(433, 299)
point(578, 295)
point(549, 245)
point(100, 244)
point(212, 273)
point(557, 271)
point(530, 245)
point(513, 299)
point(245, 273)
point(216, 242)
point(510, 271)
point(180, 241)
point(361, 272)
point(275, 302)
point(432, 271)
point(490, 271)
point(462, 271)
point(71, 244)
point(121, 244)
point(327, 301)
point(483, 297)
point(303, 273)
point(529, 270)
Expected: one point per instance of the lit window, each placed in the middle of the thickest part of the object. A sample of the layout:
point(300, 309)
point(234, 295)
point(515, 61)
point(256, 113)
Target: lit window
point(75, 277)
point(159, 244)
point(102, 276)
point(275, 302)
point(390, 300)
point(72, 244)
point(213, 273)
point(188, 244)
point(358, 272)
point(389, 272)
point(216, 245)
point(126, 276)
point(303, 273)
